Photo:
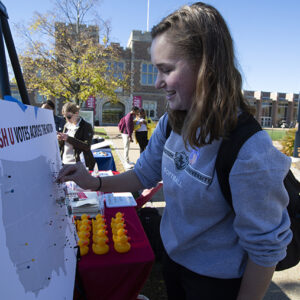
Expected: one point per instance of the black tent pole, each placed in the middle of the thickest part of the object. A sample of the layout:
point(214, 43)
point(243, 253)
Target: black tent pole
point(4, 80)
point(13, 57)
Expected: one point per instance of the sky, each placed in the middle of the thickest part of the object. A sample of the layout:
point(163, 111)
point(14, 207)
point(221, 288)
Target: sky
point(266, 33)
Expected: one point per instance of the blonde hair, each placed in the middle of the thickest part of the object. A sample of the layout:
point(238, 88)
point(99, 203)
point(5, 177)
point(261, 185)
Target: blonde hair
point(70, 107)
point(200, 35)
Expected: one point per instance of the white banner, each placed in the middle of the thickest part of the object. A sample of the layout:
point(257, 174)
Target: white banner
point(38, 258)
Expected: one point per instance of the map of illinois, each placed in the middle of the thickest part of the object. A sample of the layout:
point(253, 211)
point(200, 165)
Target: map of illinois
point(36, 224)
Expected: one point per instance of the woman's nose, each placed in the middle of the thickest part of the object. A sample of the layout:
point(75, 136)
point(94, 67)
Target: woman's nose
point(159, 83)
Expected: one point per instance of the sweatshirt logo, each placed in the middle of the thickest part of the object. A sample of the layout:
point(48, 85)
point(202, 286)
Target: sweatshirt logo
point(184, 163)
point(181, 160)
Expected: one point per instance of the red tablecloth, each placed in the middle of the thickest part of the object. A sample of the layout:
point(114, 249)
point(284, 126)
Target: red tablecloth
point(116, 276)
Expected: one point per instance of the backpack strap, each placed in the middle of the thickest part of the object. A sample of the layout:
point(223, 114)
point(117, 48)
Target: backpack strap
point(229, 149)
point(168, 130)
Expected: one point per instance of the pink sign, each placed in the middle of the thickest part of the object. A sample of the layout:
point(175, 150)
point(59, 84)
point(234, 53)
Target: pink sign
point(91, 102)
point(137, 101)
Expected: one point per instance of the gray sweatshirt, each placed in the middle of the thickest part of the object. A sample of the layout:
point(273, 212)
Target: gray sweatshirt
point(199, 229)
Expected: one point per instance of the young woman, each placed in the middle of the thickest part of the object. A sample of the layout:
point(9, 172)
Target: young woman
point(76, 137)
point(141, 133)
point(212, 251)
point(126, 130)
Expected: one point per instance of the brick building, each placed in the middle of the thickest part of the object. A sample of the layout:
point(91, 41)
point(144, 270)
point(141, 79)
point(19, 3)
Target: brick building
point(136, 61)
point(273, 108)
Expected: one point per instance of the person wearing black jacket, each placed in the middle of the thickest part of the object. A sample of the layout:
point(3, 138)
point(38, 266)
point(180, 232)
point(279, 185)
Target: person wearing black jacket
point(59, 121)
point(76, 137)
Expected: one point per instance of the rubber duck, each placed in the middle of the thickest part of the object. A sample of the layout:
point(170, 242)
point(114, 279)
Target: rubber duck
point(84, 235)
point(119, 215)
point(120, 232)
point(119, 219)
point(100, 222)
point(99, 217)
point(117, 226)
point(99, 235)
point(99, 227)
point(85, 228)
point(84, 217)
point(83, 247)
point(86, 222)
point(100, 247)
point(83, 222)
point(122, 246)
point(115, 221)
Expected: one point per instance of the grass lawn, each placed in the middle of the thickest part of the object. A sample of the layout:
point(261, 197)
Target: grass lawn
point(99, 131)
point(276, 134)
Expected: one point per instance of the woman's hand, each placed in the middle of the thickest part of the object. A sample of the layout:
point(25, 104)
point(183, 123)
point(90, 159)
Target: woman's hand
point(78, 173)
point(62, 136)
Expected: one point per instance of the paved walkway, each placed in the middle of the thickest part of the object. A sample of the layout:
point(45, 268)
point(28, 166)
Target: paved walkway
point(285, 284)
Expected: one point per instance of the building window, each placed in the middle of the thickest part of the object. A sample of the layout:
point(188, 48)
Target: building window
point(266, 114)
point(282, 112)
point(117, 69)
point(149, 74)
point(150, 107)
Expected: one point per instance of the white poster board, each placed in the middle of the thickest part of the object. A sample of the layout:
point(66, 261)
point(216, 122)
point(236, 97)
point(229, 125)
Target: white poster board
point(38, 258)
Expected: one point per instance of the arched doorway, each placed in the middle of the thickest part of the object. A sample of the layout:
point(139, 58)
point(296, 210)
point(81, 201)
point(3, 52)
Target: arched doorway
point(112, 113)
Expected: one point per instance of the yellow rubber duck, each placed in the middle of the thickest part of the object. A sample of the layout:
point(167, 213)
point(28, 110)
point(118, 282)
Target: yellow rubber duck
point(120, 232)
point(84, 217)
point(83, 247)
point(122, 246)
point(84, 235)
point(119, 219)
point(99, 217)
point(85, 228)
point(100, 221)
point(86, 222)
point(100, 247)
point(99, 227)
point(100, 234)
point(115, 221)
point(119, 215)
point(97, 238)
point(117, 226)
point(83, 221)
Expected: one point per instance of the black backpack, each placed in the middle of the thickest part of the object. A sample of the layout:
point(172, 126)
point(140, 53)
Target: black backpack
point(227, 154)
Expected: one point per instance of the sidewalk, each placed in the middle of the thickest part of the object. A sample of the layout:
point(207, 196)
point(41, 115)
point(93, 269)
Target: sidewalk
point(285, 284)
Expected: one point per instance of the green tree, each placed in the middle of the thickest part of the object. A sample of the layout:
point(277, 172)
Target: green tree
point(288, 142)
point(69, 60)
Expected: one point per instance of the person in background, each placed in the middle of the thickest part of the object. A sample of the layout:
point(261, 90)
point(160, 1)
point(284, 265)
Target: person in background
point(127, 131)
point(213, 252)
point(141, 131)
point(59, 121)
point(76, 137)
